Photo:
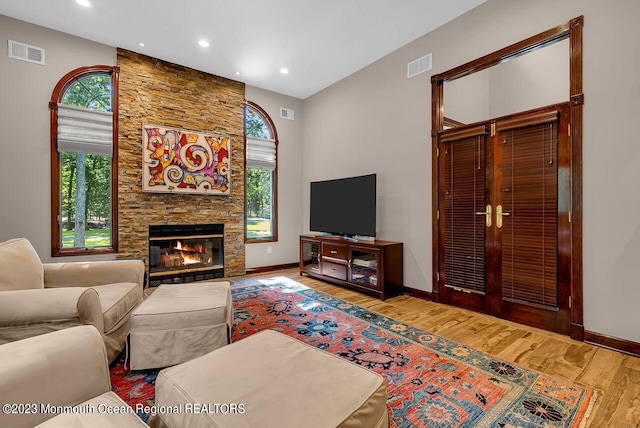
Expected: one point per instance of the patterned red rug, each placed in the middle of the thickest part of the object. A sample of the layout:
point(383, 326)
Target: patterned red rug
point(431, 381)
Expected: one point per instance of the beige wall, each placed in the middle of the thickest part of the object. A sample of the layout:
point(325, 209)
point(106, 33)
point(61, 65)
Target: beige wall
point(377, 120)
point(25, 91)
point(289, 180)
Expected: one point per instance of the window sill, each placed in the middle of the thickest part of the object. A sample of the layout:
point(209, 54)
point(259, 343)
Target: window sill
point(259, 240)
point(70, 252)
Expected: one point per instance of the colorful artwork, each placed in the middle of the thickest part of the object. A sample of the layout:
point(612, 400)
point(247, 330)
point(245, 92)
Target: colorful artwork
point(179, 161)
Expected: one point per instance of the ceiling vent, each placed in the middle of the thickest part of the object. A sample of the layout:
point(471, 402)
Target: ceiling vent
point(286, 113)
point(26, 52)
point(419, 65)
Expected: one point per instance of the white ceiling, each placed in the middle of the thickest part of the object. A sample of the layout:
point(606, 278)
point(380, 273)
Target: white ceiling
point(319, 42)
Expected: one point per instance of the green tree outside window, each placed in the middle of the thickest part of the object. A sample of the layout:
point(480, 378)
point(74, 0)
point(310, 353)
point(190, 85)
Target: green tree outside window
point(260, 182)
point(86, 178)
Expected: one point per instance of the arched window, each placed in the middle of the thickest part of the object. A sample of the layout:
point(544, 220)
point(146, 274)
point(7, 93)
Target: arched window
point(84, 158)
point(261, 200)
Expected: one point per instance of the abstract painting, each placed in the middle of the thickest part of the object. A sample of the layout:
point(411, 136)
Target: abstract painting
point(180, 161)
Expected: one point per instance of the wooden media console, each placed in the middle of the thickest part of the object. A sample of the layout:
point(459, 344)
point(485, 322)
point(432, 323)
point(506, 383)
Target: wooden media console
point(374, 267)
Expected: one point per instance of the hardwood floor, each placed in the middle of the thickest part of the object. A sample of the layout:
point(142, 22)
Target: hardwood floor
point(615, 376)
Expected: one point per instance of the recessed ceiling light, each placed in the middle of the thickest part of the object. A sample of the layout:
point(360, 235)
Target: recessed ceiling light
point(237, 73)
point(284, 70)
point(141, 44)
point(85, 3)
point(203, 43)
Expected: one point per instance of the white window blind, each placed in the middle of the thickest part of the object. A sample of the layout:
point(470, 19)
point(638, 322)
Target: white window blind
point(83, 130)
point(261, 153)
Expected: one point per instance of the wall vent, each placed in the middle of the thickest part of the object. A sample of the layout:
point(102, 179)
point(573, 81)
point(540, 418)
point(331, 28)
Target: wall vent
point(26, 52)
point(419, 65)
point(286, 113)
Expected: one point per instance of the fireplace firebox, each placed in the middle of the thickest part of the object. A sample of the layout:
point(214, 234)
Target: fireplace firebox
point(185, 253)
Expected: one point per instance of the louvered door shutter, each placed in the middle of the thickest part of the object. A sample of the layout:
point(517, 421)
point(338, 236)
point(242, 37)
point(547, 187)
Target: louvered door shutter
point(464, 197)
point(529, 195)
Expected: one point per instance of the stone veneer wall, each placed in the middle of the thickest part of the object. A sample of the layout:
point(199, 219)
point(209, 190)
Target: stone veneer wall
point(160, 93)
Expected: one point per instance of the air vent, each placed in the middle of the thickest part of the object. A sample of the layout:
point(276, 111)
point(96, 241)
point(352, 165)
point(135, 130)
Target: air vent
point(26, 52)
point(419, 65)
point(286, 113)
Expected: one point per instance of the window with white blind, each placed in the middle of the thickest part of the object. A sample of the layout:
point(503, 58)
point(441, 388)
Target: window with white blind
point(261, 175)
point(83, 130)
point(84, 162)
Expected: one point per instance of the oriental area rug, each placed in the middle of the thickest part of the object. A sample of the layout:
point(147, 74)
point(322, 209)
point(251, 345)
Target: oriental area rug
point(431, 381)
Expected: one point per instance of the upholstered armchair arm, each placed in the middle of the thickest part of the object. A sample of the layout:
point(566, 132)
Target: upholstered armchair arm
point(88, 274)
point(63, 368)
point(24, 313)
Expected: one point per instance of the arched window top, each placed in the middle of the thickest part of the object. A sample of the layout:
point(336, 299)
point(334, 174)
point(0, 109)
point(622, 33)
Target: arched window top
point(90, 87)
point(90, 91)
point(258, 124)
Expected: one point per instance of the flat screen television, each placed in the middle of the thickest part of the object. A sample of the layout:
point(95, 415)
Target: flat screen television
point(345, 206)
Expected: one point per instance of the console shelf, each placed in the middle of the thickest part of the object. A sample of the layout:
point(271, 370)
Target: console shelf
point(374, 267)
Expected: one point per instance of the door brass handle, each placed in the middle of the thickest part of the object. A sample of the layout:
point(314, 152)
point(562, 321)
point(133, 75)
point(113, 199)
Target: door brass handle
point(486, 213)
point(499, 215)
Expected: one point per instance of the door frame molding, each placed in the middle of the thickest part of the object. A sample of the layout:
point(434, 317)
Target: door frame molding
point(573, 31)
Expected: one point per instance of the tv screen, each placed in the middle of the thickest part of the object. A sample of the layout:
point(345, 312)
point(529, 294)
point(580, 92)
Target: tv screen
point(345, 206)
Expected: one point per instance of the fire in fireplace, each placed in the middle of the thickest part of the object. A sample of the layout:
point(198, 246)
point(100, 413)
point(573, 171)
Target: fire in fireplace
point(185, 253)
point(191, 253)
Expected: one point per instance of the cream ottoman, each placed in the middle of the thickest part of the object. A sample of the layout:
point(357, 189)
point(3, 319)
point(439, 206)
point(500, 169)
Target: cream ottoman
point(179, 322)
point(104, 411)
point(270, 380)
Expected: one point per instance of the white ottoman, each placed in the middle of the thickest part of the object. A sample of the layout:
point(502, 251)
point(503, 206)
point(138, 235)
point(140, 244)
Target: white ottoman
point(179, 322)
point(270, 380)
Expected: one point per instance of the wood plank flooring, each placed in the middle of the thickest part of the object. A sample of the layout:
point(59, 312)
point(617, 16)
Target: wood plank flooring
point(615, 376)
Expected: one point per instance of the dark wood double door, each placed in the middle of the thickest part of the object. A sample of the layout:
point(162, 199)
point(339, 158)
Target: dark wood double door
point(504, 236)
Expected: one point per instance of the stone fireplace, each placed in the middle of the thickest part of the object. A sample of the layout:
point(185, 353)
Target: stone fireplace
point(185, 253)
point(156, 92)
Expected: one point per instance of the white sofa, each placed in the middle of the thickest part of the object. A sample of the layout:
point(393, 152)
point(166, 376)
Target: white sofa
point(37, 298)
point(42, 378)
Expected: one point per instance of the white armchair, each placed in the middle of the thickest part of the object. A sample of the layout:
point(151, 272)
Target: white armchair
point(37, 298)
point(53, 370)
